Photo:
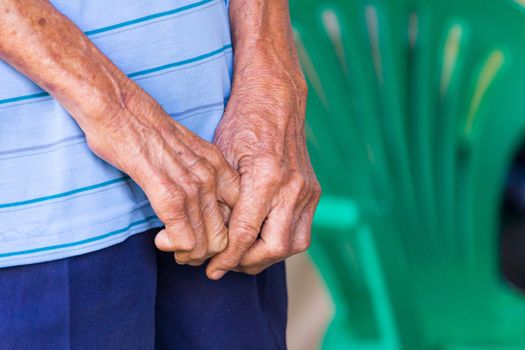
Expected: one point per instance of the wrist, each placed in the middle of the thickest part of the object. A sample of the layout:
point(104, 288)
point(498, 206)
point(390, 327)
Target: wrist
point(262, 32)
point(114, 106)
point(260, 61)
point(267, 77)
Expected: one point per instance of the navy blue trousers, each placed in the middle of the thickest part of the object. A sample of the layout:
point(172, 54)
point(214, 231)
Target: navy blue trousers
point(131, 296)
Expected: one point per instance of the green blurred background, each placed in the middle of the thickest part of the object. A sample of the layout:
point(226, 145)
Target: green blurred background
point(415, 124)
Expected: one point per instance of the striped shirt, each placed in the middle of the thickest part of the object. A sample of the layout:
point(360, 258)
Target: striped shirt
point(57, 199)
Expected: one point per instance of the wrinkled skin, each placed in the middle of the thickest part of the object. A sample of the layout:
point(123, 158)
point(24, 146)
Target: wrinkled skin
point(186, 179)
point(249, 198)
point(262, 136)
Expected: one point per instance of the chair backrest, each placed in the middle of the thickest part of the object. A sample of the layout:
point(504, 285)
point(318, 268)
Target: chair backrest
point(415, 111)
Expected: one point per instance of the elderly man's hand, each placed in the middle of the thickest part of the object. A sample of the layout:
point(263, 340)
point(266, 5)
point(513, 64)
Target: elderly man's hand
point(262, 135)
point(185, 178)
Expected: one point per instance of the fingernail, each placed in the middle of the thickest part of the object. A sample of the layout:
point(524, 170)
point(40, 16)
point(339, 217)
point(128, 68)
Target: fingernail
point(162, 239)
point(218, 274)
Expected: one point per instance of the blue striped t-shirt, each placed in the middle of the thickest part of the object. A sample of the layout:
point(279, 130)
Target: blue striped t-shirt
point(57, 199)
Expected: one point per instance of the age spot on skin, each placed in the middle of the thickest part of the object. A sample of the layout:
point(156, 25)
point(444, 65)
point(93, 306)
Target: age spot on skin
point(42, 21)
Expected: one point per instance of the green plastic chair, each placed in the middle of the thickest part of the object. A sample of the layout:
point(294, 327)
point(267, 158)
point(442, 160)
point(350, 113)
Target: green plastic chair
point(366, 149)
point(415, 112)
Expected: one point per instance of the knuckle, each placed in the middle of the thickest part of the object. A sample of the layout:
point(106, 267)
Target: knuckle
point(173, 214)
point(316, 189)
point(215, 157)
point(196, 262)
point(297, 183)
point(278, 250)
point(252, 270)
point(191, 190)
point(197, 255)
point(208, 178)
point(203, 171)
point(302, 245)
point(245, 238)
point(274, 170)
point(269, 168)
point(246, 233)
point(180, 241)
point(173, 196)
point(185, 258)
point(274, 180)
point(181, 258)
point(302, 87)
point(229, 262)
point(184, 244)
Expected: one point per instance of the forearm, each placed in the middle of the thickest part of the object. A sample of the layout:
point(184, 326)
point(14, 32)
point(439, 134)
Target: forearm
point(184, 177)
point(260, 29)
point(47, 47)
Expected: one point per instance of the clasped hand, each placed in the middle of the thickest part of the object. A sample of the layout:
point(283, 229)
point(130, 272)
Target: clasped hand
point(246, 201)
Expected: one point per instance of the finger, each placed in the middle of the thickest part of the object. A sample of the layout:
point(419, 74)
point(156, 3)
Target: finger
point(215, 226)
point(227, 178)
point(303, 231)
point(196, 178)
point(279, 229)
point(173, 239)
point(213, 221)
point(197, 255)
point(275, 240)
point(226, 212)
point(187, 261)
point(171, 206)
point(253, 270)
point(228, 184)
point(217, 181)
point(247, 217)
point(178, 234)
